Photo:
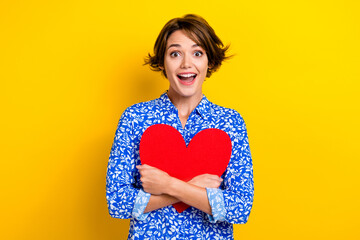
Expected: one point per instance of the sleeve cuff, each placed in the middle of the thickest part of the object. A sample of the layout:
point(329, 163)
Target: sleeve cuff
point(141, 202)
point(217, 204)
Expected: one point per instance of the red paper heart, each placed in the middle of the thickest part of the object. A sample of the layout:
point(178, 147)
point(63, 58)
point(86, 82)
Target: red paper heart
point(163, 147)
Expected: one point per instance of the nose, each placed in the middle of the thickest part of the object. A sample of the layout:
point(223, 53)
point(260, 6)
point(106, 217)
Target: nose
point(186, 61)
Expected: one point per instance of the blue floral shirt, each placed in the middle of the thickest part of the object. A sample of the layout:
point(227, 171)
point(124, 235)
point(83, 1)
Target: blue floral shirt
point(230, 203)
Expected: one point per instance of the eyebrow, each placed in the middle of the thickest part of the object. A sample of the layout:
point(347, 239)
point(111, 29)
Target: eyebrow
point(178, 45)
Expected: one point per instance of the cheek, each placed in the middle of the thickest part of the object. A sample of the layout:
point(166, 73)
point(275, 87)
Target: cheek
point(203, 68)
point(170, 66)
point(168, 71)
point(202, 64)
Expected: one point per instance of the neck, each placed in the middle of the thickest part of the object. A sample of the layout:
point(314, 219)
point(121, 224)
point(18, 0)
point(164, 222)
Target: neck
point(184, 105)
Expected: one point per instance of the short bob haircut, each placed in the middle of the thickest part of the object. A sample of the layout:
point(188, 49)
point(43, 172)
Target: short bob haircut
point(198, 30)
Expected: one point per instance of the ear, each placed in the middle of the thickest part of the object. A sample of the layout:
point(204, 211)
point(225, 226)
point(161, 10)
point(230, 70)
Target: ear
point(161, 67)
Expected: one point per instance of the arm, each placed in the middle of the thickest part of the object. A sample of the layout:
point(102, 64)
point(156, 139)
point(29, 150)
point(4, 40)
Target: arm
point(167, 190)
point(159, 201)
point(190, 194)
point(120, 190)
point(233, 202)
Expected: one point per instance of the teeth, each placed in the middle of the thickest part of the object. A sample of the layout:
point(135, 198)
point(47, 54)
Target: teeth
point(187, 75)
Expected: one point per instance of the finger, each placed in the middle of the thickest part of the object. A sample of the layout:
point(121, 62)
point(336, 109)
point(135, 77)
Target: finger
point(216, 177)
point(145, 166)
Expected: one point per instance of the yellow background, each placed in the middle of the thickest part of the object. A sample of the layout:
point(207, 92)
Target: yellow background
point(68, 70)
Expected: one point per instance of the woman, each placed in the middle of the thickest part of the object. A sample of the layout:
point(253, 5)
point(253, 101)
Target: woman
point(186, 51)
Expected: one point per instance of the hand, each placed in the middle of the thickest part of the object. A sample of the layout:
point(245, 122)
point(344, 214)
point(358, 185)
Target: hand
point(206, 181)
point(153, 180)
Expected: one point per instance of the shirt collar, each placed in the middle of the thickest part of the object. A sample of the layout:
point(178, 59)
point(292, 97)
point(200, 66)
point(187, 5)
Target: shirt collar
point(203, 108)
point(166, 102)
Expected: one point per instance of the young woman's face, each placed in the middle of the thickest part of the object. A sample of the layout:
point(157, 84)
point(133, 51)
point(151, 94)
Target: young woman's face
point(186, 66)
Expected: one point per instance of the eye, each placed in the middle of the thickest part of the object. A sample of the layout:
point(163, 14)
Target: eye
point(175, 54)
point(198, 53)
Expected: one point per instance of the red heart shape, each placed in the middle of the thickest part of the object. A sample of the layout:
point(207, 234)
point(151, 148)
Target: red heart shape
point(163, 147)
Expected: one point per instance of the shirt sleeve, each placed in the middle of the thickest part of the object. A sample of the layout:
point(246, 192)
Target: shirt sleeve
point(141, 202)
point(234, 200)
point(121, 193)
point(216, 200)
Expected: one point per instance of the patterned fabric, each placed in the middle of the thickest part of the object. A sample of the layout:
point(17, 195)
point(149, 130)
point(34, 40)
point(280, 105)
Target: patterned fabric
point(216, 200)
point(141, 202)
point(231, 203)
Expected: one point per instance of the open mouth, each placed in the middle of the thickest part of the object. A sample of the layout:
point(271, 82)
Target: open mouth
point(187, 79)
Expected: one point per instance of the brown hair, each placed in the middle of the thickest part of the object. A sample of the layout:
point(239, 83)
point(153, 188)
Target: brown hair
point(198, 30)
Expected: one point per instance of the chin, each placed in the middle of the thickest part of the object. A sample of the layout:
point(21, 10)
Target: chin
point(185, 91)
point(189, 93)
